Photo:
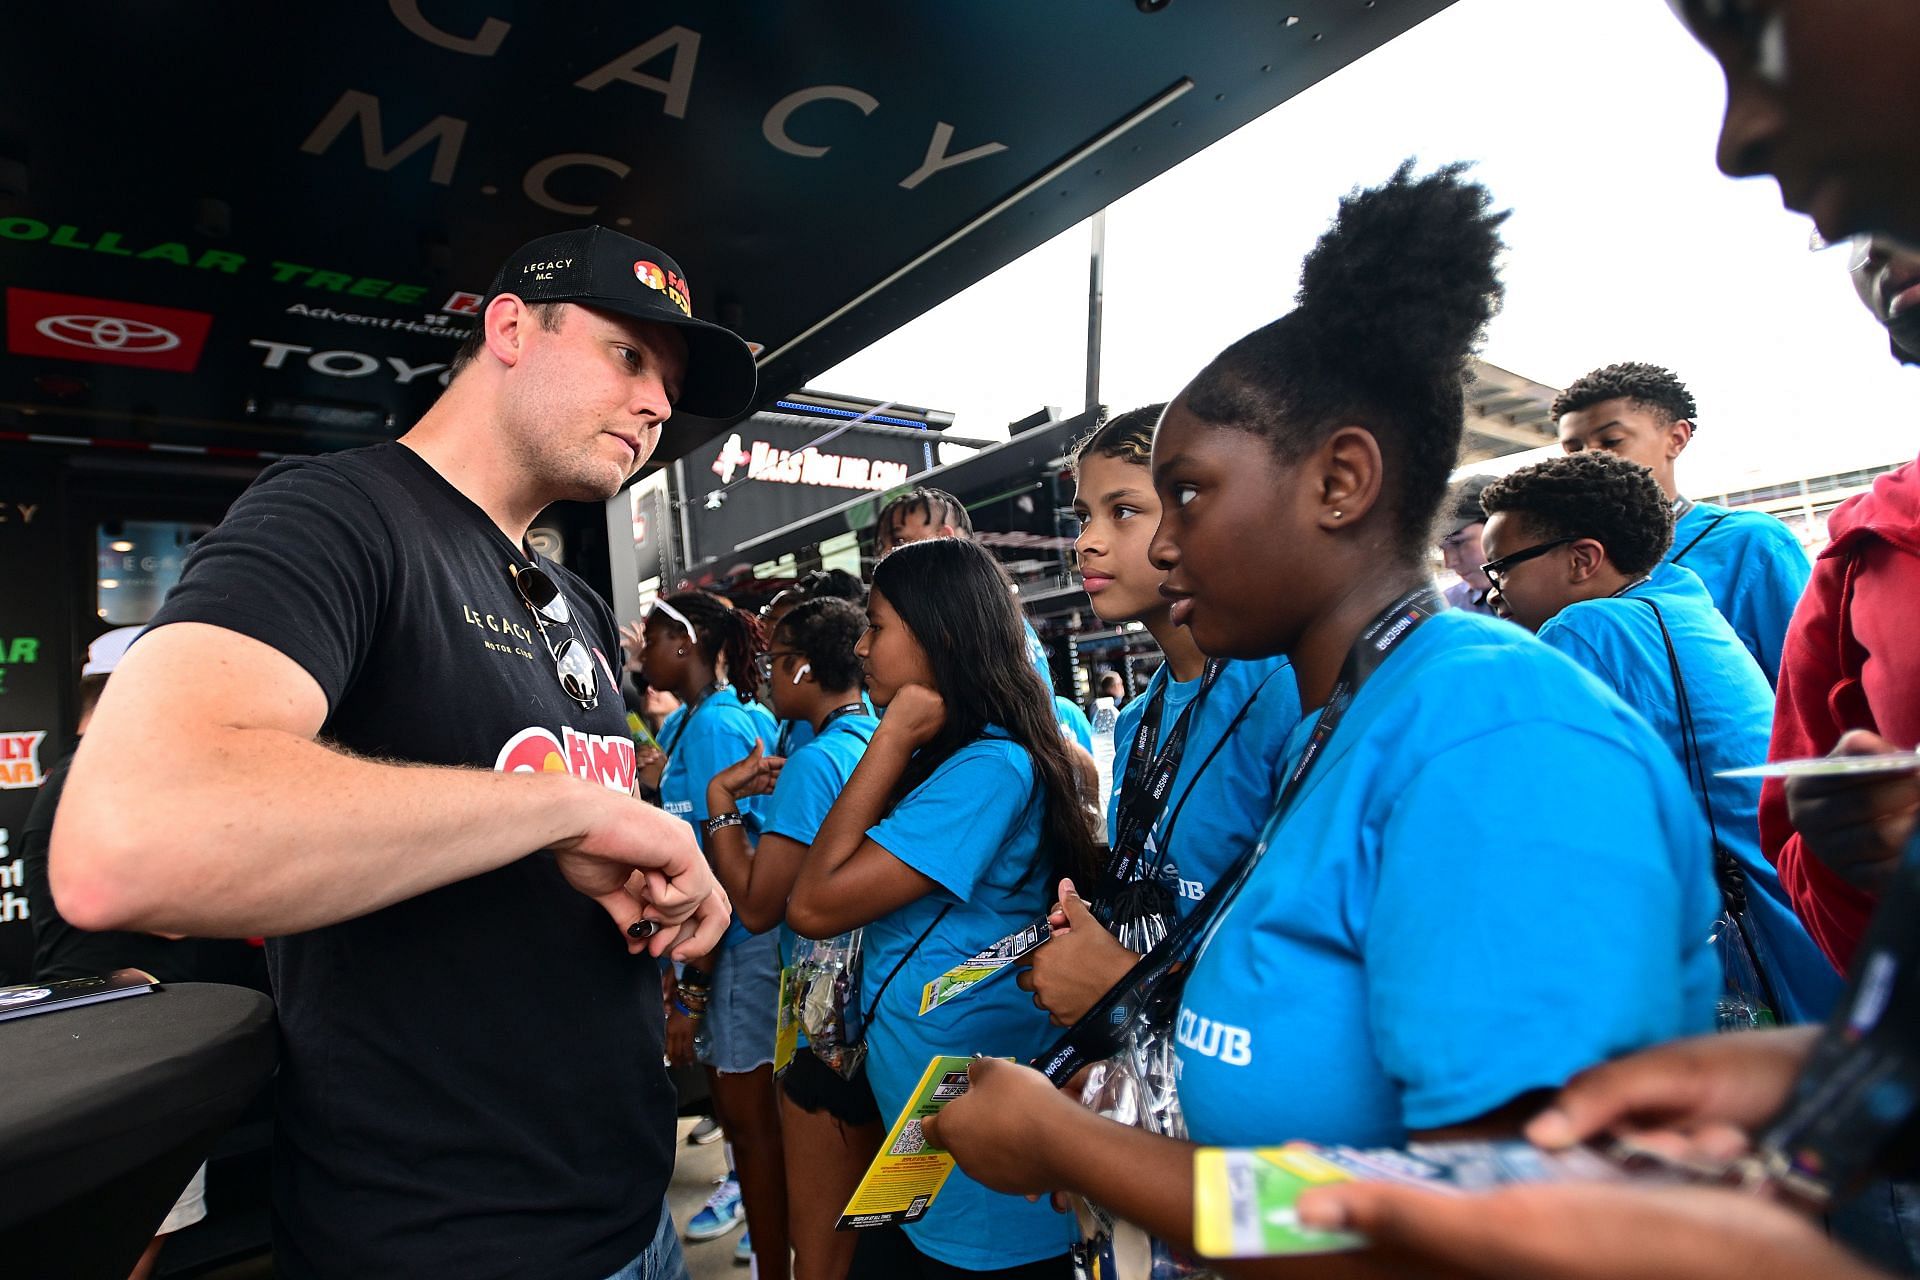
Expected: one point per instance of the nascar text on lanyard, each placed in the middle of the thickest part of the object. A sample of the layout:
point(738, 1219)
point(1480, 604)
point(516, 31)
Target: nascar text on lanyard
point(1143, 798)
point(1152, 987)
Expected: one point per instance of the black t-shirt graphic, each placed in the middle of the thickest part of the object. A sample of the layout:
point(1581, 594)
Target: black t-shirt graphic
point(472, 1083)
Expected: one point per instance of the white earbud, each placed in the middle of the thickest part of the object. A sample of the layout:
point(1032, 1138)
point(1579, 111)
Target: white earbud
point(805, 667)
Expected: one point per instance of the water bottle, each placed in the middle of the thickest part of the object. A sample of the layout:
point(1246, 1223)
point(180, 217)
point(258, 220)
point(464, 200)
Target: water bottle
point(1105, 715)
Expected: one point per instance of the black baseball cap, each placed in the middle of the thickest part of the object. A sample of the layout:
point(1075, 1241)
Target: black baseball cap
point(600, 268)
point(1463, 504)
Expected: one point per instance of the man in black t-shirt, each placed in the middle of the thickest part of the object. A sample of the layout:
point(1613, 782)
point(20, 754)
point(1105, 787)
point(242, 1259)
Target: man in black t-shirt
point(372, 725)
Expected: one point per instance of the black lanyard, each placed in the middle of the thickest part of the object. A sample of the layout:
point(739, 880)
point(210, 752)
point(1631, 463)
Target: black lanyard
point(786, 727)
point(1153, 985)
point(680, 730)
point(1149, 776)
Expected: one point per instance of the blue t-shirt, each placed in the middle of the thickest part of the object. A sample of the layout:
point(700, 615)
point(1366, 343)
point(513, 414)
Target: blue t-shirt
point(975, 828)
point(1755, 570)
point(1225, 786)
point(1073, 722)
point(1618, 639)
point(701, 741)
point(794, 734)
point(814, 776)
point(1495, 877)
point(1037, 655)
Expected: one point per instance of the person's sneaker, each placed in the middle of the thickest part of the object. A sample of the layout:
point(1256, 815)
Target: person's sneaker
point(708, 1130)
point(743, 1251)
point(722, 1212)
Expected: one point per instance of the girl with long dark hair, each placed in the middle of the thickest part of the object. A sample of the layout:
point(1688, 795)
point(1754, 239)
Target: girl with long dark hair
point(1391, 966)
point(961, 816)
point(704, 651)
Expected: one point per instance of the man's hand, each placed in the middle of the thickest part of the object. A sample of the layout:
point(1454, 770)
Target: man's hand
point(916, 715)
point(753, 776)
point(996, 1129)
point(1081, 962)
point(1588, 1231)
point(701, 935)
point(638, 863)
point(1858, 826)
point(1697, 1097)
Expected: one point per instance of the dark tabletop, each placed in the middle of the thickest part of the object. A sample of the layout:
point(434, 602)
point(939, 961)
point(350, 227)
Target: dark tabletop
point(89, 1094)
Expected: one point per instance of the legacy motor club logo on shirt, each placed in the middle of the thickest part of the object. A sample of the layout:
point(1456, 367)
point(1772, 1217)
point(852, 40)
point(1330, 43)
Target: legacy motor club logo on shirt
point(68, 326)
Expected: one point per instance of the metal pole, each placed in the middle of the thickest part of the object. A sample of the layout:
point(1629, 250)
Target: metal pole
point(1096, 302)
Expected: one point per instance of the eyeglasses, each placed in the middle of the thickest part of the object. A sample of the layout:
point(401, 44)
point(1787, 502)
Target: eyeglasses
point(570, 660)
point(765, 661)
point(1497, 570)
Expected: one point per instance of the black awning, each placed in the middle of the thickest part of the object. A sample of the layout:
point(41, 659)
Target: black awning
point(264, 226)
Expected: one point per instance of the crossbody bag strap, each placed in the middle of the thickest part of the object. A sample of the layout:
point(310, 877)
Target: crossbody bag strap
point(873, 1006)
point(1681, 554)
point(1728, 873)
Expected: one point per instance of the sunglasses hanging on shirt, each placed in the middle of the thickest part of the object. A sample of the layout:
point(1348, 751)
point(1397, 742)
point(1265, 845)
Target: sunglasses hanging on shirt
point(570, 661)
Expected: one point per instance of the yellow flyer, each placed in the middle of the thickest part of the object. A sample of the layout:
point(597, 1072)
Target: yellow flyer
point(900, 1184)
point(786, 1031)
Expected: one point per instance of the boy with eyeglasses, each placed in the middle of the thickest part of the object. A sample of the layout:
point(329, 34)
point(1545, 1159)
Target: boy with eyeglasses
point(1577, 545)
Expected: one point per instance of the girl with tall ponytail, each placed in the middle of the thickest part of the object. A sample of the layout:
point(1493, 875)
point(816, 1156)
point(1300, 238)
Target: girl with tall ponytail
point(703, 650)
point(1388, 964)
point(960, 818)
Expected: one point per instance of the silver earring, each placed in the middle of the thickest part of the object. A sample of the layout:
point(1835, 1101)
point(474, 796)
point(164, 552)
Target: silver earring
point(1336, 515)
point(680, 653)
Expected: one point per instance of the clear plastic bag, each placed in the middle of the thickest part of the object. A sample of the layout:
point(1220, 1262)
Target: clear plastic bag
point(826, 996)
point(1137, 1087)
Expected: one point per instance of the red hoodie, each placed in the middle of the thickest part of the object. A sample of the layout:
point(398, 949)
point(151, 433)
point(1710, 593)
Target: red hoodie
point(1851, 661)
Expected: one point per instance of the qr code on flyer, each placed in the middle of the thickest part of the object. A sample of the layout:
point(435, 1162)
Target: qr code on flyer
point(911, 1141)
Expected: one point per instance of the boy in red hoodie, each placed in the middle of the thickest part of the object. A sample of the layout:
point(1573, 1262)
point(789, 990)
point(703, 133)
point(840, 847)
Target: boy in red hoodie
point(1850, 672)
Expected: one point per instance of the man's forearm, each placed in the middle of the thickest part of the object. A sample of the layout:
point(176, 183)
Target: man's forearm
point(263, 832)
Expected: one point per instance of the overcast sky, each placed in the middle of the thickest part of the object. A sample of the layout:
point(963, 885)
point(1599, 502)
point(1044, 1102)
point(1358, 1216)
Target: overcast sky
point(1594, 123)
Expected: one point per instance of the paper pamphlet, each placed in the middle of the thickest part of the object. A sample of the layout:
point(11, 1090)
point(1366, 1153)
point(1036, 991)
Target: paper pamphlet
point(900, 1184)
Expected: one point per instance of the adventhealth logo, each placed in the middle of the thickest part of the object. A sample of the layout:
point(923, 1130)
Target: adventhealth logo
point(1231, 1045)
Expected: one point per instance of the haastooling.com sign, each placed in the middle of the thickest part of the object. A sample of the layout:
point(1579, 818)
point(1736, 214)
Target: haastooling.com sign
point(773, 470)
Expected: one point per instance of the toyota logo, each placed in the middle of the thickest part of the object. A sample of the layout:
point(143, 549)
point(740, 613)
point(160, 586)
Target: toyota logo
point(108, 333)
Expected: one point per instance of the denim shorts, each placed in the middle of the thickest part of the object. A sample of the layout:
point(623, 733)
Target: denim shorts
point(744, 1006)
